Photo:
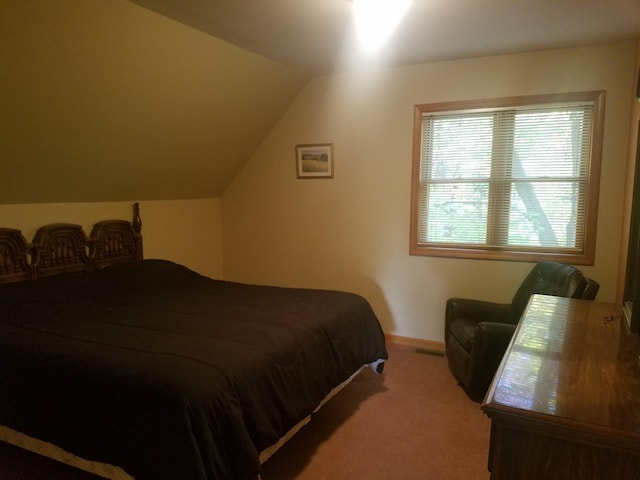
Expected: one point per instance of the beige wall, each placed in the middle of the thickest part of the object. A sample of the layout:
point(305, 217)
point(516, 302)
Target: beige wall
point(185, 231)
point(352, 232)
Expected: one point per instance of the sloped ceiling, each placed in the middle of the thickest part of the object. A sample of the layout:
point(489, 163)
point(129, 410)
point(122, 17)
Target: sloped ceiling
point(167, 99)
point(107, 101)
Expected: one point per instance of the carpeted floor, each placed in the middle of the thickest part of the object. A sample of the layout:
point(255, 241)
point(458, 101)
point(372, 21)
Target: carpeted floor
point(412, 422)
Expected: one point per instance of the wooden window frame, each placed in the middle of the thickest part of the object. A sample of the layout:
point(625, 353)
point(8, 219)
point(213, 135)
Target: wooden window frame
point(583, 256)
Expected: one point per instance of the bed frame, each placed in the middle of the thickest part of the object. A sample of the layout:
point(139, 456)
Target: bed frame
point(65, 248)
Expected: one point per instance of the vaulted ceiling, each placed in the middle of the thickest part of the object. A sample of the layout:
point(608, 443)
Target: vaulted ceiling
point(108, 101)
point(168, 99)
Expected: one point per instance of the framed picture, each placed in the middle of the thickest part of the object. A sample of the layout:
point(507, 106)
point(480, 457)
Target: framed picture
point(314, 160)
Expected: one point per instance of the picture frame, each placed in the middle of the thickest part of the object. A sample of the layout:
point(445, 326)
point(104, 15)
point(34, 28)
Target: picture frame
point(314, 160)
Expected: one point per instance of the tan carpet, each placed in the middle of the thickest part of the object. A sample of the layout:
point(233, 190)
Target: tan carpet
point(412, 422)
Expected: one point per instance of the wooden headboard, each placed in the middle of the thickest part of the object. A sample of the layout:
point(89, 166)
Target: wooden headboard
point(64, 248)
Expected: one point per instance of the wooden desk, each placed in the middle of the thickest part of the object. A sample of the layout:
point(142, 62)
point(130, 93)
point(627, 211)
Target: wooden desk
point(565, 402)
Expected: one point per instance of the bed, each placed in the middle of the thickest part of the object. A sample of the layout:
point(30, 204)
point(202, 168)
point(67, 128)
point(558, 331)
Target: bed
point(144, 369)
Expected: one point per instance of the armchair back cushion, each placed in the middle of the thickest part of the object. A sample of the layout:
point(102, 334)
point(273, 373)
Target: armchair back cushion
point(548, 278)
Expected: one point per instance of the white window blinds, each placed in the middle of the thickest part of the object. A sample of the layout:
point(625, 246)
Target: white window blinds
point(506, 178)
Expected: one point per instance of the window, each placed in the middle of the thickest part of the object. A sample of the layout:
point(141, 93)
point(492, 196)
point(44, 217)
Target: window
point(513, 178)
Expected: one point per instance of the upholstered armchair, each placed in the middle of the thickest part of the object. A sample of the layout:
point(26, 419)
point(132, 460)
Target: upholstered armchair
point(477, 333)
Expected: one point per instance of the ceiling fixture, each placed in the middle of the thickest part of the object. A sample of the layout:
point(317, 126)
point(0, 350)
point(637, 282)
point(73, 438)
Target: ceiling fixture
point(376, 20)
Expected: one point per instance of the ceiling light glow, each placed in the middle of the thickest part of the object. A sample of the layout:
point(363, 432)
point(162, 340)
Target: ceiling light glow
point(376, 20)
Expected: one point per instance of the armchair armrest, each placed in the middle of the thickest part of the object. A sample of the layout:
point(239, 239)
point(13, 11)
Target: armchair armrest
point(490, 343)
point(491, 340)
point(476, 310)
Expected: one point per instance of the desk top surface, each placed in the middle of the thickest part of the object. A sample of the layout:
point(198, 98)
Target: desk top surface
point(572, 361)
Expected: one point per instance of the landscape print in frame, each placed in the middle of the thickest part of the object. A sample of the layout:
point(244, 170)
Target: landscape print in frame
point(314, 160)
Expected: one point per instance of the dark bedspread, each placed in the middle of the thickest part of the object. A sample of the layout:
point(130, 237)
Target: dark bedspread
point(169, 374)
